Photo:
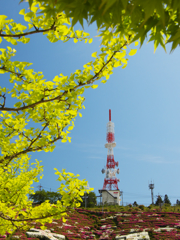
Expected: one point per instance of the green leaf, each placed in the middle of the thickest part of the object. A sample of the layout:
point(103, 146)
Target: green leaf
point(30, 3)
point(18, 104)
point(109, 3)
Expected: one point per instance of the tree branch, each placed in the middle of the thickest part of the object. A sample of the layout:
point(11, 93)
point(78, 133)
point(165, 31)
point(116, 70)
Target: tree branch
point(31, 219)
point(53, 27)
point(95, 77)
point(16, 130)
point(27, 150)
point(97, 74)
point(19, 75)
point(38, 136)
point(4, 102)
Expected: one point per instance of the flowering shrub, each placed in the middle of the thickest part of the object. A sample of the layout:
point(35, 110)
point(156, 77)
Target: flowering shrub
point(91, 224)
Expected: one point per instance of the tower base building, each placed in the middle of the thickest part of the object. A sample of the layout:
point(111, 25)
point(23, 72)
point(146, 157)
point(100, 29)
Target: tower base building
point(110, 197)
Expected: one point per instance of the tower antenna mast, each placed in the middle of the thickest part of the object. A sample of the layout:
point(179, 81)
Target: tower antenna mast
point(110, 180)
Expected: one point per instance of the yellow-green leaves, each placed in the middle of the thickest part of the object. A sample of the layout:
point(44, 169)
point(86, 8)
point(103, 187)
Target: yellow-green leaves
point(16, 179)
point(103, 81)
point(18, 104)
point(22, 12)
point(94, 54)
point(132, 52)
point(54, 29)
point(120, 55)
point(94, 86)
point(71, 189)
point(43, 111)
point(117, 64)
point(136, 43)
point(2, 21)
point(70, 128)
point(90, 40)
point(12, 207)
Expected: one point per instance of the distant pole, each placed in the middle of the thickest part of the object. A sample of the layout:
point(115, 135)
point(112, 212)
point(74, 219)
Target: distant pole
point(85, 200)
point(151, 186)
point(160, 204)
point(121, 194)
point(40, 187)
point(50, 189)
point(86, 196)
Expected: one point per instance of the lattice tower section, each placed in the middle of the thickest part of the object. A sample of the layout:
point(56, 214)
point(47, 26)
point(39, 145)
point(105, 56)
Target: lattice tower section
point(110, 180)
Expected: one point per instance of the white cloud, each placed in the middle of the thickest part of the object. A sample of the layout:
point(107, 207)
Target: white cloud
point(122, 148)
point(153, 159)
point(95, 157)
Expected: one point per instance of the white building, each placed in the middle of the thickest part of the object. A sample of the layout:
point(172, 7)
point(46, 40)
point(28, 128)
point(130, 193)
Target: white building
point(110, 197)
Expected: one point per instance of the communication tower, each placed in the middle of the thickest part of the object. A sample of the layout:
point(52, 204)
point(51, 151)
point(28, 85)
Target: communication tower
point(151, 186)
point(110, 180)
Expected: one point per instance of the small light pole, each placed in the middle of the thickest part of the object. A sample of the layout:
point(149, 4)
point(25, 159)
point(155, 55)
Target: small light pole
point(151, 186)
point(100, 191)
point(86, 195)
point(121, 194)
point(39, 187)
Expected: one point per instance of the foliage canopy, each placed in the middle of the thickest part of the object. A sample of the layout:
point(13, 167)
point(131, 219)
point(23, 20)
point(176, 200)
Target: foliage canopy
point(166, 200)
point(159, 20)
point(35, 113)
point(159, 200)
point(42, 195)
point(91, 200)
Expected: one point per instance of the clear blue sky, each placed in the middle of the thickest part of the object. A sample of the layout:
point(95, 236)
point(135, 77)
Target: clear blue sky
point(145, 102)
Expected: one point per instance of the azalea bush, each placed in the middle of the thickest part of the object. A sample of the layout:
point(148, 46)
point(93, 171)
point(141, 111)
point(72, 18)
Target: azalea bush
point(94, 224)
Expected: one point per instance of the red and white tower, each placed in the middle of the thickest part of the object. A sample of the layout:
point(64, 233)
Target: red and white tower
point(110, 180)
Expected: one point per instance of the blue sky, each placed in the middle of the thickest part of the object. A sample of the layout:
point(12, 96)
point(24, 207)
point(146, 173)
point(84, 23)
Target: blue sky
point(145, 103)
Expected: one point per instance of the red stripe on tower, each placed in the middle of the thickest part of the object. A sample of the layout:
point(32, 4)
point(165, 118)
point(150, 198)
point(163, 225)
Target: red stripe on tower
point(110, 137)
point(110, 130)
